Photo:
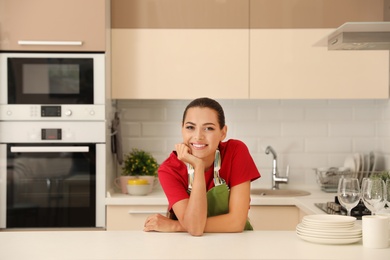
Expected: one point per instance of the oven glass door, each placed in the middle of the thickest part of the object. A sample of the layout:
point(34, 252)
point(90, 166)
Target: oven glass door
point(51, 185)
point(50, 80)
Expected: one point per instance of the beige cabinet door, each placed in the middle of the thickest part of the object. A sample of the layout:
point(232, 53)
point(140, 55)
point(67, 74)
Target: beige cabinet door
point(48, 25)
point(295, 64)
point(274, 217)
point(121, 217)
point(180, 63)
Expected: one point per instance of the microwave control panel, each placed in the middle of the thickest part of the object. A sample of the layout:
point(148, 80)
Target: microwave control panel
point(51, 111)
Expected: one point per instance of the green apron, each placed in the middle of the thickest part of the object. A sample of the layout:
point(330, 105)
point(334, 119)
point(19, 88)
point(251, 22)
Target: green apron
point(218, 196)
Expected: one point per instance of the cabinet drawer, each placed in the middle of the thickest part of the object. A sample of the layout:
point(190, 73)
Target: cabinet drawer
point(131, 217)
point(274, 217)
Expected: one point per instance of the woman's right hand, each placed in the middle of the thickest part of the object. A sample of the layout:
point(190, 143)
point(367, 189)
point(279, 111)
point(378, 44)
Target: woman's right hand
point(184, 154)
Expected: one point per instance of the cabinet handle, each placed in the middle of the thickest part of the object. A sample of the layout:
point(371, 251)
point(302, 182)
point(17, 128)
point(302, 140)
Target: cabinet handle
point(49, 149)
point(72, 43)
point(147, 212)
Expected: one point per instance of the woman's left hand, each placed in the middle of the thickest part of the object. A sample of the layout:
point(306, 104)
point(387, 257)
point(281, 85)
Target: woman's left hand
point(158, 222)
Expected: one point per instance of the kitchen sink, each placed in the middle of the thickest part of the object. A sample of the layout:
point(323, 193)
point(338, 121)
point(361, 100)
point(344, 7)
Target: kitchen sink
point(279, 193)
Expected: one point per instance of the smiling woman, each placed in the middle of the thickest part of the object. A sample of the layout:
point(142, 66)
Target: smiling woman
point(206, 180)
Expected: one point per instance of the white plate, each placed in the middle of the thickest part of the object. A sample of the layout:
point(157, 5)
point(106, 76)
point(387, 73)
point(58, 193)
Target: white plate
point(325, 218)
point(350, 163)
point(355, 231)
point(357, 159)
point(330, 241)
point(324, 226)
point(371, 156)
point(378, 162)
point(362, 163)
point(329, 236)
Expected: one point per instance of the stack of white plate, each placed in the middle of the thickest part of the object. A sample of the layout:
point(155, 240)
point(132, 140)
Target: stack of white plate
point(329, 229)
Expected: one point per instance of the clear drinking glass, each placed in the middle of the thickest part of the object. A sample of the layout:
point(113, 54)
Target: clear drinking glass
point(348, 193)
point(374, 194)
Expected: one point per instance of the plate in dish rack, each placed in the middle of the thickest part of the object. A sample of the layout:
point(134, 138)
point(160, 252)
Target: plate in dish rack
point(350, 163)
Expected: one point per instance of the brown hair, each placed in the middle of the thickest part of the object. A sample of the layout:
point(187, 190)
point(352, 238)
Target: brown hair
point(205, 102)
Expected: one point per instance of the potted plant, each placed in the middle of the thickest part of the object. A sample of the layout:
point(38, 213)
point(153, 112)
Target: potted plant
point(138, 164)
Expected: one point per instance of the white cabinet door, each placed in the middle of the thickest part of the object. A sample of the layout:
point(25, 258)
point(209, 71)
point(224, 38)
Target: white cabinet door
point(180, 63)
point(121, 217)
point(47, 25)
point(274, 217)
point(295, 64)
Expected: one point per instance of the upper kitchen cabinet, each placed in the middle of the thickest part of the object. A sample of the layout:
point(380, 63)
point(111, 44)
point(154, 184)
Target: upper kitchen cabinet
point(289, 58)
point(53, 25)
point(293, 64)
point(304, 14)
point(180, 49)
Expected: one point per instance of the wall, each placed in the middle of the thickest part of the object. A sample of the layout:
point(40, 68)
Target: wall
point(305, 133)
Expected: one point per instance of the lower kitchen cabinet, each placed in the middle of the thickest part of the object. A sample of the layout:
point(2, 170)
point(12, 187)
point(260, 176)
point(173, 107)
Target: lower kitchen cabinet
point(124, 217)
point(274, 217)
point(128, 217)
point(121, 217)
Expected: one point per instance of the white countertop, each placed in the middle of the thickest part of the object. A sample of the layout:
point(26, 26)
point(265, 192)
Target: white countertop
point(113, 245)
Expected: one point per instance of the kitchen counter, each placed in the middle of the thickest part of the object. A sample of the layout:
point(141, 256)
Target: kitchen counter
point(304, 203)
point(144, 245)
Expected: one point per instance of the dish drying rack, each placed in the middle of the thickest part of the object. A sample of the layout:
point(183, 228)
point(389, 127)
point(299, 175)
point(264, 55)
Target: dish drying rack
point(328, 178)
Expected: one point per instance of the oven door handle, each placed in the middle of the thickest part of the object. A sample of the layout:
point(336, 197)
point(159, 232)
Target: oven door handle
point(49, 149)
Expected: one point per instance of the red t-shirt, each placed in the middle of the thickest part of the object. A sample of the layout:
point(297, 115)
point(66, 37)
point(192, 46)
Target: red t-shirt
point(237, 166)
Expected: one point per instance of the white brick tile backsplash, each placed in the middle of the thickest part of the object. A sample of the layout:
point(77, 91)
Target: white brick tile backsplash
point(304, 129)
point(143, 114)
point(328, 145)
point(153, 145)
point(352, 129)
point(328, 113)
point(306, 134)
point(256, 129)
point(130, 129)
point(158, 129)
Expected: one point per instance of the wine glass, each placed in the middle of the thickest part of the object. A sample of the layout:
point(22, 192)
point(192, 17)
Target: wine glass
point(348, 193)
point(374, 194)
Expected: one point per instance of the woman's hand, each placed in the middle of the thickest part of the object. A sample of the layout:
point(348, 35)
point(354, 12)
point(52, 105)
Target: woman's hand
point(185, 155)
point(158, 222)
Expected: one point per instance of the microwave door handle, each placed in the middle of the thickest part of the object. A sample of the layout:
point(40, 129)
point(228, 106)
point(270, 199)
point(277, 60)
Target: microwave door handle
point(53, 43)
point(49, 149)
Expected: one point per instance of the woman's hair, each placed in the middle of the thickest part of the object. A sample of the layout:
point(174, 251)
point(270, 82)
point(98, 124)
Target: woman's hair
point(205, 102)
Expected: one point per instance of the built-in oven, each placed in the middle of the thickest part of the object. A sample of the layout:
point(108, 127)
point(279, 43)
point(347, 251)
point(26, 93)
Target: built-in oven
point(52, 86)
point(52, 174)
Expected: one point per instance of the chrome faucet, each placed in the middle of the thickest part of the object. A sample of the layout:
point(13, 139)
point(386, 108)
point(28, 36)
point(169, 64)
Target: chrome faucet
point(276, 179)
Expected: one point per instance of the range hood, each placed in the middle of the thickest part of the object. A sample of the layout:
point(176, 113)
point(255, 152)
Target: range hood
point(361, 36)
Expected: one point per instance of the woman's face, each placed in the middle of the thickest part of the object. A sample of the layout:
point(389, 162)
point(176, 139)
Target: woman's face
point(202, 133)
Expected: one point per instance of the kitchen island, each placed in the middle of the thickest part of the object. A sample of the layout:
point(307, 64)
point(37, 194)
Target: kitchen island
point(113, 245)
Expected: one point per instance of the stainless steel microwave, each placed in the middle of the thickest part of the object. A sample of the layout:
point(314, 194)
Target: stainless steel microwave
point(52, 86)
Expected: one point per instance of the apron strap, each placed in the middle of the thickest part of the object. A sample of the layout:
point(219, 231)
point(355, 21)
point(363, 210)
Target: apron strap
point(217, 165)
